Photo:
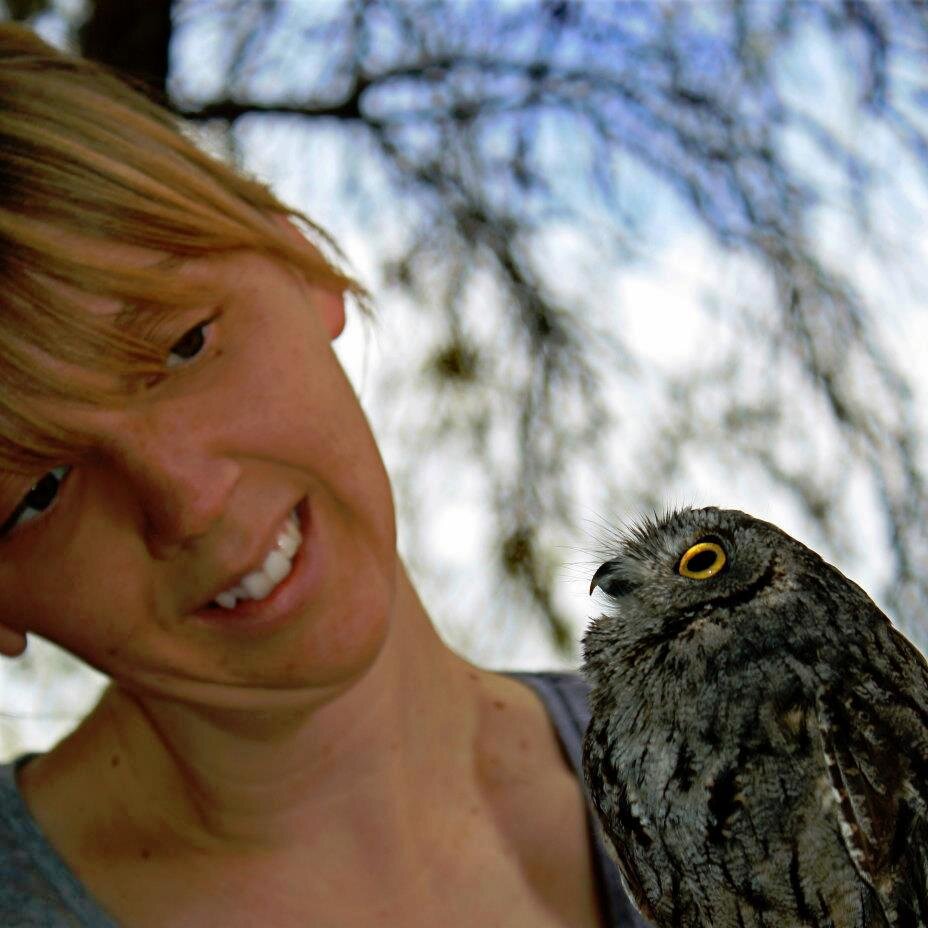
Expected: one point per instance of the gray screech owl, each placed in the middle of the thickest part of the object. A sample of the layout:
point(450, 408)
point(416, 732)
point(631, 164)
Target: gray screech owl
point(758, 747)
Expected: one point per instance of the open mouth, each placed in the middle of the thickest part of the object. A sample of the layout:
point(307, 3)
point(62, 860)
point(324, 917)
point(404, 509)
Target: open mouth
point(260, 583)
point(257, 587)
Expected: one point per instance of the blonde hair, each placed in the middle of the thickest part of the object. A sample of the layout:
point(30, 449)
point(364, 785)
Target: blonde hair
point(83, 156)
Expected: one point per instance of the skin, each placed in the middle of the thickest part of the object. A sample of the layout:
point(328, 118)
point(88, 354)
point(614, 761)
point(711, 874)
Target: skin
point(343, 768)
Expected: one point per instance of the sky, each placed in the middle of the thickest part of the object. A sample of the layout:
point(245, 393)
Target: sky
point(659, 302)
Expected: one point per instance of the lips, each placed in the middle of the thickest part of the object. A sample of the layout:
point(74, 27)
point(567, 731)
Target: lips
point(286, 597)
point(278, 562)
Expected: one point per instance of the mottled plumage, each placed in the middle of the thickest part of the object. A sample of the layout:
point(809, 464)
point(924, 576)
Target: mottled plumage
point(758, 749)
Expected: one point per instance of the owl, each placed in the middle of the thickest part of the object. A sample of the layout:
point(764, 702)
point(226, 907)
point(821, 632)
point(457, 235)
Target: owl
point(758, 747)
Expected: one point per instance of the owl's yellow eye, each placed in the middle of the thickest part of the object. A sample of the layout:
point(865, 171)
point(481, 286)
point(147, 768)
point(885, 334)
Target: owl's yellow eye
point(703, 560)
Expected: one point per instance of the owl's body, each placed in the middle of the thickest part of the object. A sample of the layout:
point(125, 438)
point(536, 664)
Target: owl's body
point(758, 748)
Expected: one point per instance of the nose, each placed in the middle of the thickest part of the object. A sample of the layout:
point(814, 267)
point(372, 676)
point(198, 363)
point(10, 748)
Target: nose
point(180, 480)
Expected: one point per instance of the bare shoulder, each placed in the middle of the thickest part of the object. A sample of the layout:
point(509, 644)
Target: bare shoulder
point(519, 736)
point(537, 799)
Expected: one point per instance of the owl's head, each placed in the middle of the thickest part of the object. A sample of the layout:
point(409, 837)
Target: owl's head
point(693, 572)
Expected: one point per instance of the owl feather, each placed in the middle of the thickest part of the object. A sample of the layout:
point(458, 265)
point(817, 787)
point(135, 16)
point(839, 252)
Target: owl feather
point(758, 747)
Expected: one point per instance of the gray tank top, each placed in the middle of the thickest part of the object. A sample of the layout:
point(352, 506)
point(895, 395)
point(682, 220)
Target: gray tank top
point(39, 890)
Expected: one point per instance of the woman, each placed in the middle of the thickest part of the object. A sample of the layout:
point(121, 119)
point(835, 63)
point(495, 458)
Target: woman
point(192, 502)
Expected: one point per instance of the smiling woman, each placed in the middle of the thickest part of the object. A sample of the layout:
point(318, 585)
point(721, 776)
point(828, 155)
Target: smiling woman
point(192, 502)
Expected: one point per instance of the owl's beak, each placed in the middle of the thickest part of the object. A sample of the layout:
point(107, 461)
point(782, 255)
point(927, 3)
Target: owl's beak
point(600, 573)
point(610, 585)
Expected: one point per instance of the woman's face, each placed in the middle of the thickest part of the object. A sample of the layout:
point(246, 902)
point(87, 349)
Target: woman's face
point(122, 558)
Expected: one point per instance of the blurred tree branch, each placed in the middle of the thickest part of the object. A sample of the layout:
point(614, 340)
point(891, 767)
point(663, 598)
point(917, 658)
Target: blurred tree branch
point(462, 102)
point(131, 36)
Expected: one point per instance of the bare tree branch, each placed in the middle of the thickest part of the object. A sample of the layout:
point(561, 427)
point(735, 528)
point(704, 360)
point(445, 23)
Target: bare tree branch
point(494, 123)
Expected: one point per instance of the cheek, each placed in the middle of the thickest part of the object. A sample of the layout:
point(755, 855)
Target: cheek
point(339, 445)
point(346, 642)
point(83, 600)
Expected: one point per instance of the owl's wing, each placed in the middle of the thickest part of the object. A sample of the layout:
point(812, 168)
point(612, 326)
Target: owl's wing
point(631, 878)
point(650, 878)
point(612, 808)
point(874, 737)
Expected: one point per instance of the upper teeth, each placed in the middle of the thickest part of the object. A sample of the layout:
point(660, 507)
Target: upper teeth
point(260, 583)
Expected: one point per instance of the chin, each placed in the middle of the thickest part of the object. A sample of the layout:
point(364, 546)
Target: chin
point(340, 652)
point(337, 646)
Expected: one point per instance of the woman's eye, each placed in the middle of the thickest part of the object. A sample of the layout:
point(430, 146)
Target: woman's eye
point(189, 345)
point(43, 494)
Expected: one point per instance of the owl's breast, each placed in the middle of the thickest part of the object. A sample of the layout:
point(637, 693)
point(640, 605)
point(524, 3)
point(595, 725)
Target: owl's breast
point(733, 809)
point(721, 722)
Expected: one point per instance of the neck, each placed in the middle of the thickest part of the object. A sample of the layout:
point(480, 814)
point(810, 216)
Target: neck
point(353, 761)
